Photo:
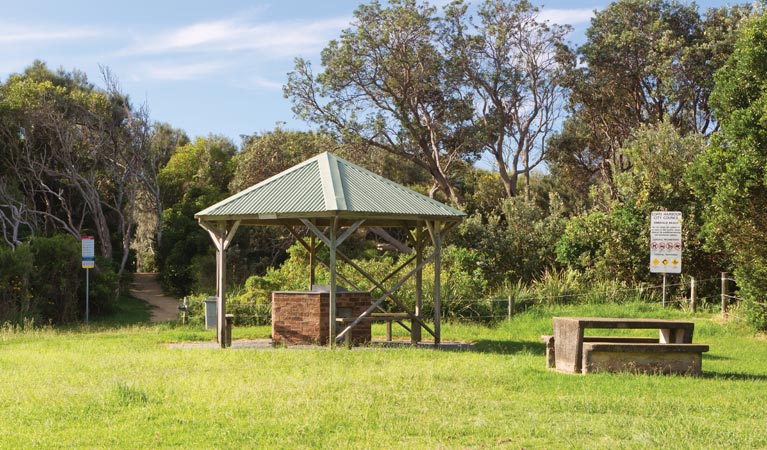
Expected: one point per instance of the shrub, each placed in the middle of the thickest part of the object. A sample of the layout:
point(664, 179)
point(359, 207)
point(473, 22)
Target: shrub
point(15, 287)
point(43, 281)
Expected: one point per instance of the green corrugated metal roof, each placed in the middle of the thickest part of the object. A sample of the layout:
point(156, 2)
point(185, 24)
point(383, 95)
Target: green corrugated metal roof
point(327, 185)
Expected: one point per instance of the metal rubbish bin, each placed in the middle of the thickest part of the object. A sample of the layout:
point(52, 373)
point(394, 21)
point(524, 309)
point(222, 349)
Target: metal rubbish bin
point(211, 314)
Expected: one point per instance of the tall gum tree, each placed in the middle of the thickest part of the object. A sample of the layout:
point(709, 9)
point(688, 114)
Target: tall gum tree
point(387, 85)
point(510, 62)
point(75, 152)
point(644, 62)
point(731, 175)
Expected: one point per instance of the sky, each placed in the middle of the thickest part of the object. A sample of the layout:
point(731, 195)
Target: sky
point(202, 66)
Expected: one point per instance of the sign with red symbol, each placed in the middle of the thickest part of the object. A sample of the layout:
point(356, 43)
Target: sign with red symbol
point(666, 242)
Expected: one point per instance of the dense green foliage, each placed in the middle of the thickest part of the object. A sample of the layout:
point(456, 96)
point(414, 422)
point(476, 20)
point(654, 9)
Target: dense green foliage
point(195, 177)
point(661, 108)
point(731, 177)
point(42, 282)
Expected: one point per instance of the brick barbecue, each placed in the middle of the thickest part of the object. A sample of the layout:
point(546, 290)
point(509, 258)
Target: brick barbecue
point(301, 317)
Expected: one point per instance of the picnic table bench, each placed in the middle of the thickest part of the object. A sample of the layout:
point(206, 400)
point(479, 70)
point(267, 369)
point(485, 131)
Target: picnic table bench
point(387, 317)
point(568, 350)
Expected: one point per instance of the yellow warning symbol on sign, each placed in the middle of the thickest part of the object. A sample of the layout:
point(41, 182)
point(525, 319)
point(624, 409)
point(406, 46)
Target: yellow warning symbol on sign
point(675, 262)
point(655, 262)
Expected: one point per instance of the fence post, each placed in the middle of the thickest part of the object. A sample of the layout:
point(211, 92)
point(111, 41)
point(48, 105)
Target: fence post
point(511, 306)
point(693, 296)
point(724, 295)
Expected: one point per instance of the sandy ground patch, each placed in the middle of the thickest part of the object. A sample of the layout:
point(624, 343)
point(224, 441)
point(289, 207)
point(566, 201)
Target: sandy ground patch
point(146, 287)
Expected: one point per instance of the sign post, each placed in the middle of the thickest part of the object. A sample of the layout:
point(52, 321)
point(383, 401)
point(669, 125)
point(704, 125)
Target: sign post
point(89, 262)
point(665, 244)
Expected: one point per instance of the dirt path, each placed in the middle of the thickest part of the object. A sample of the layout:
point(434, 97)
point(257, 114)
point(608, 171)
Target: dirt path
point(146, 287)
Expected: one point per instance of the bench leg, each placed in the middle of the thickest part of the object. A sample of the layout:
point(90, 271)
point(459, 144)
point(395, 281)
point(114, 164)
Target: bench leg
point(550, 355)
point(388, 330)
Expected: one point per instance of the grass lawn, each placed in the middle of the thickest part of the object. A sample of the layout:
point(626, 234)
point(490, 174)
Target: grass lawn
point(112, 386)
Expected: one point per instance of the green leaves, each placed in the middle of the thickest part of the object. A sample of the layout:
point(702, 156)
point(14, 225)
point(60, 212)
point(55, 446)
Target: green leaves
point(731, 176)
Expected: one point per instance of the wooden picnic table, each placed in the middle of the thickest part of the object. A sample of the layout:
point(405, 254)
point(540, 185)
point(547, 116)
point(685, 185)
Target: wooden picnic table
point(569, 335)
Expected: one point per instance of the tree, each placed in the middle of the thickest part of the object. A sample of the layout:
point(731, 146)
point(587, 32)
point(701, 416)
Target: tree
point(386, 84)
point(75, 152)
point(205, 163)
point(163, 142)
point(267, 154)
point(645, 62)
point(77, 159)
point(657, 181)
point(612, 241)
point(196, 176)
point(16, 218)
point(731, 175)
point(510, 61)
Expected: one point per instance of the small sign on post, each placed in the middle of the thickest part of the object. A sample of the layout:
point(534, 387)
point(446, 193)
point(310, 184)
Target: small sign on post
point(89, 262)
point(89, 252)
point(665, 244)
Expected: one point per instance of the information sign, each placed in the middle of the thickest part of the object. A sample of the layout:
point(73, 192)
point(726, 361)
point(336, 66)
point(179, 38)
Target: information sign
point(666, 242)
point(89, 253)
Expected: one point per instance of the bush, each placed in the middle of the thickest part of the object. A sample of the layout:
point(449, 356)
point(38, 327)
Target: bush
point(15, 287)
point(43, 281)
point(520, 244)
point(573, 287)
point(57, 277)
point(607, 246)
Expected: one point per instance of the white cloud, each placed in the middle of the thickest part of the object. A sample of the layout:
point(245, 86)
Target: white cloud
point(15, 34)
point(180, 71)
point(574, 16)
point(231, 35)
point(264, 83)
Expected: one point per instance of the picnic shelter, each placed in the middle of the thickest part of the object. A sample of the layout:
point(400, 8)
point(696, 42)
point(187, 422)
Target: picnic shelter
point(334, 198)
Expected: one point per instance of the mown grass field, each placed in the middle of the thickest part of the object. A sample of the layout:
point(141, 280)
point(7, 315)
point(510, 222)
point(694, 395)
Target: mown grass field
point(123, 387)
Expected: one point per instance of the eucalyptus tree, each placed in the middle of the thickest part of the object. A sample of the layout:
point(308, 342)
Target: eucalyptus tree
point(161, 143)
point(267, 154)
point(387, 84)
point(644, 62)
point(731, 175)
point(75, 152)
point(510, 62)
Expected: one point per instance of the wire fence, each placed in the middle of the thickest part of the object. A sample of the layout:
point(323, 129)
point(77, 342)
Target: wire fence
point(714, 293)
point(689, 294)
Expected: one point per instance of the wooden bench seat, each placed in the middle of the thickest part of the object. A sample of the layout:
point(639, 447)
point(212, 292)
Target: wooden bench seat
point(374, 317)
point(551, 355)
point(634, 357)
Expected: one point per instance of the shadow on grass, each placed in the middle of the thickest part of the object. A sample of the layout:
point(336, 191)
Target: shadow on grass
point(510, 347)
point(733, 376)
point(127, 311)
point(718, 357)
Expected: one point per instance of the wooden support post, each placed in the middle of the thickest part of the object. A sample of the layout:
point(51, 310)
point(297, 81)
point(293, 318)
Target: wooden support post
point(437, 236)
point(312, 260)
point(693, 295)
point(388, 294)
point(724, 295)
point(333, 289)
point(221, 294)
point(415, 332)
point(228, 328)
point(332, 242)
point(222, 235)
